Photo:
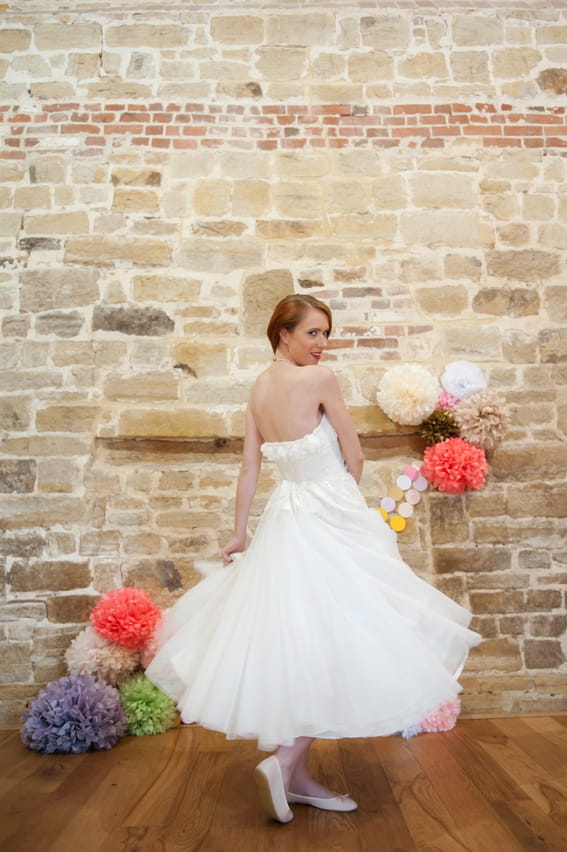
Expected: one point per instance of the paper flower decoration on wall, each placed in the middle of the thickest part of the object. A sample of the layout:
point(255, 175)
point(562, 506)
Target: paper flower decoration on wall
point(458, 425)
point(463, 379)
point(408, 394)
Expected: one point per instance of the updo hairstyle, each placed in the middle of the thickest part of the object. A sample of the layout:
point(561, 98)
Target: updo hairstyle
point(288, 313)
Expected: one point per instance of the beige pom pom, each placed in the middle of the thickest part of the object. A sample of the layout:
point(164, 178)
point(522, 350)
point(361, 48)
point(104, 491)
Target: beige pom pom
point(482, 419)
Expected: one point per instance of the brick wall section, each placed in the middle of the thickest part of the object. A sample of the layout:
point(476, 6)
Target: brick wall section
point(166, 175)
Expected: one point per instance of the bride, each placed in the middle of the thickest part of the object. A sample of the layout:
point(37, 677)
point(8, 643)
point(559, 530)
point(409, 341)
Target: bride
point(319, 629)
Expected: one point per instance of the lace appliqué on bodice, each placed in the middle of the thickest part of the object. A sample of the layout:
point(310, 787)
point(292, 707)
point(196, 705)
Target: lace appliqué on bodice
point(315, 456)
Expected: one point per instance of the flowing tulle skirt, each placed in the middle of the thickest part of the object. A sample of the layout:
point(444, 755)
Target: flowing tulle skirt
point(319, 629)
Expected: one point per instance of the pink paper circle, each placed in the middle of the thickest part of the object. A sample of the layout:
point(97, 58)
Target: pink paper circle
point(412, 472)
point(420, 483)
point(413, 497)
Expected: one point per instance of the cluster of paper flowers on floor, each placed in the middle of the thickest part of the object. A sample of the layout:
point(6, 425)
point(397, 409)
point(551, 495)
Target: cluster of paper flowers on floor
point(460, 420)
point(106, 693)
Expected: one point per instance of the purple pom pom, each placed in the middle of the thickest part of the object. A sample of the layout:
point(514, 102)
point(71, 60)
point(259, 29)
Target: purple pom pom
point(72, 715)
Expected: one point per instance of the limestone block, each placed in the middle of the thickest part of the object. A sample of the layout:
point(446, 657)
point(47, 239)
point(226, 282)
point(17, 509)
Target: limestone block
point(251, 166)
point(552, 34)
point(385, 31)
point(156, 386)
point(372, 65)
point(444, 228)
point(57, 476)
point(548, 625)
point(83, 66)
point(538, 207)
point(452, 300)
point(18, 476)
point(471, 342)
point(40, 511)
point(389, 193)
point(301, 200)
point(301, 29)
point(529, 462)
point(12, 39)
point(218, 228)
point(146, 35)
point(495, 654)
point(302, 165)
point(470, 29)
point(155, 288)
point(502, 302)
point(60, 323)
point(49, 576)
point(290, 229)
point(211, 197)
point(328, 66)
point(129, 176)
point(553, 80)
point(260, 294)
point(380, 228)
point(75, 222)
point(237, 29)
point(30, 197)
point(282, 63)
point(10, 224)
point(105, 251)
point(553, 236)
point(553, 345)
point(100, 543)
point(63, 36)
point(135, 201)
point(501, 205)
point(470, 66)
point(337, 93)
point(528, 265)
point(347, 196)
point(513, 62)
point(172, 423)
point(250, 197)
point(514, 234)
point(555, 302)
point(15, 414)
point(423, 65)
point(462, 266)
point(441, 190)
point(67, 418)
point(202, 359)
point(23, 545)
point(219, 256)
point(63, 609)
point(112, 88)
point(543, 654)
point(132, 320)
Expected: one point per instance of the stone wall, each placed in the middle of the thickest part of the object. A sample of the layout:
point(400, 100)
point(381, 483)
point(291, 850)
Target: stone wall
point(169, 171)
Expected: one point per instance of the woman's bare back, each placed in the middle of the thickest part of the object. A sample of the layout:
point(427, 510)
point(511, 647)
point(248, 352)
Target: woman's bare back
point(285, 401)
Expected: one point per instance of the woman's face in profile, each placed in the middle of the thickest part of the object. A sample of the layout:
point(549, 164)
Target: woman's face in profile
point(307, 341)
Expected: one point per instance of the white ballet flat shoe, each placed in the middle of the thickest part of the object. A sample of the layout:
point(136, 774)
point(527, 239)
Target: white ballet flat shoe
point(334, 803)
point(271, 789)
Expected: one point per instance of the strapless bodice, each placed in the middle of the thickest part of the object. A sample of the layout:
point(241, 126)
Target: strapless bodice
point(316, 455)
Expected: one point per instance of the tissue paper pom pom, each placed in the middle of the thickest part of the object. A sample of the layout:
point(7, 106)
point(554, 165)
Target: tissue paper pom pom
point(455, 466)
point(442, 719)
point(126, 616)
point(90, 653)
point(72, 715)
point(439, 426)
point(482, 419)
point(408, 394)
point(462, 379)
point(447, 401)
point(148, 709)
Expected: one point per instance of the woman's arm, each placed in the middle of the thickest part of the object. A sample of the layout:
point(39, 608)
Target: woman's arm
point(246, 487)
point(337, 412)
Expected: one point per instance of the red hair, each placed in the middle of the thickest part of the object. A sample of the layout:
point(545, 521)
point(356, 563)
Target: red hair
point(289, 311)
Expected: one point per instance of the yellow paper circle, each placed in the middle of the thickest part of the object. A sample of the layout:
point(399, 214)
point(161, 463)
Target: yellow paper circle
point(395, 493)
point(384, 513)
point(398, 524)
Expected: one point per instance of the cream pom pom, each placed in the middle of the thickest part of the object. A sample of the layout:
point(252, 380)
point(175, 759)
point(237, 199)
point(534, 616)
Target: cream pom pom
point(408, 394)
point(462, 379)
point(90, 653)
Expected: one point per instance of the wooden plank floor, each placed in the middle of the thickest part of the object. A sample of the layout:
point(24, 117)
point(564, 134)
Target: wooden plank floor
point(497, 785)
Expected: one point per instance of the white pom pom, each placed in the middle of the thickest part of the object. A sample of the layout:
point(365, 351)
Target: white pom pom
point(463, 379)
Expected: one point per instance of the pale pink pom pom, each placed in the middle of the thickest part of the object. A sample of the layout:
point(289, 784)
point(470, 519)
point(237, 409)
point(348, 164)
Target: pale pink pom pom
point(447, 401)
point(442, 719)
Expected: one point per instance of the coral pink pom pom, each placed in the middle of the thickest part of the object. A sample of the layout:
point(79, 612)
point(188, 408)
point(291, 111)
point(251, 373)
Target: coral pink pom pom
point(455, 466)
point(126, 616)
point(442, 719)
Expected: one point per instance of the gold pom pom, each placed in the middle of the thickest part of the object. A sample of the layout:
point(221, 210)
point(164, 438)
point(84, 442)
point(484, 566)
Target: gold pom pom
point(439, 426)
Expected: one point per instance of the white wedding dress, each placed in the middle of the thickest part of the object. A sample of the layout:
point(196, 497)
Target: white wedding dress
point(319, 629)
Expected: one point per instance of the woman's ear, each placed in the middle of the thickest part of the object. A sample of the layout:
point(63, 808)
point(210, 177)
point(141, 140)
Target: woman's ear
point(284, 335)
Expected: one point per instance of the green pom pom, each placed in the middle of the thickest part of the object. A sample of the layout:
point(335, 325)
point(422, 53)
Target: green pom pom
point(439, 426)
point(147, 708)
